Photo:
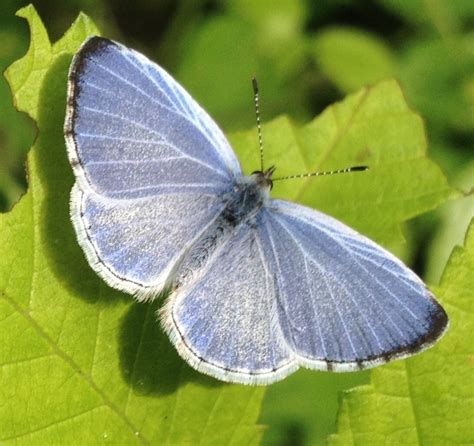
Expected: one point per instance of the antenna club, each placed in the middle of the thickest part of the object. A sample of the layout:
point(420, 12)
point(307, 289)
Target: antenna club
point(359, 168)
point(255, 85)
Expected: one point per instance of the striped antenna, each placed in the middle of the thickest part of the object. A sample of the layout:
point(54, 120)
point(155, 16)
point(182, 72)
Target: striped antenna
point(329, 172)
point(257, 113)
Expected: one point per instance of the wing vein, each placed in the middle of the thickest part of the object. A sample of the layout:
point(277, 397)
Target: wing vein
point(324, 271)
point(334, 237)
point(192, 118)
point(269, 311)
point(350, 296)
point(136, 88)
point(138, 125)
point(136, 162)
point(166, 186)
point(143, 68)
point(279, 278)
point(316, 312)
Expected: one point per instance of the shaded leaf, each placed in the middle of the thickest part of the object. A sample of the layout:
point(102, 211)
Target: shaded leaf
point(16, 131)
point(351, 58)
point(224, 53)
point(81, 363)
point(455, 216)
point(304, 406)
point(438, 77)
point(446, 16)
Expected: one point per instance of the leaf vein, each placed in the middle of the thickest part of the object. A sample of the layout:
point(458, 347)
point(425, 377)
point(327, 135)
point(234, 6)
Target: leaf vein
point(68, 360)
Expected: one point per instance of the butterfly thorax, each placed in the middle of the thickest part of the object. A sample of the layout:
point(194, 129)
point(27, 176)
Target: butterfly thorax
point(246, 199)
point(241, 207)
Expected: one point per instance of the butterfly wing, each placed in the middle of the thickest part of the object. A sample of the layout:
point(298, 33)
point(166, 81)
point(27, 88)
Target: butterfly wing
point(298, 288)
point(132, 131)
point(225, 323)
point(135, 244)
point(344, 303)
point(151, 166)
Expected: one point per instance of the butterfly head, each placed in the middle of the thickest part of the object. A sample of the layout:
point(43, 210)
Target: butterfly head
point(264, 178)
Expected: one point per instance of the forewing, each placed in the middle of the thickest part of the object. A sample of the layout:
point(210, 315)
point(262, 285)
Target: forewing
point(344, 303)
point(135, 244)
point(225, 324)
point(133, 132)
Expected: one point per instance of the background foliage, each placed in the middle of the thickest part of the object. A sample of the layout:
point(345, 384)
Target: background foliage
point(306, 55)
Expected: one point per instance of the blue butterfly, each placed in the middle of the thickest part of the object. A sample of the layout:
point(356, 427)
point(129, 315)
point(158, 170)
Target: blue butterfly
point(259, 287)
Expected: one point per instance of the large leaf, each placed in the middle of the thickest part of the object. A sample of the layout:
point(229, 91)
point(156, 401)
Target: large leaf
point(428, 399)
point(351, 58)
point(438, 76)
point(79, 362)
point(16, 131)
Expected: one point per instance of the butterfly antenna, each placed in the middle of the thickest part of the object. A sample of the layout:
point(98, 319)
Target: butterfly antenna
point(257, 114)
point(329, 172)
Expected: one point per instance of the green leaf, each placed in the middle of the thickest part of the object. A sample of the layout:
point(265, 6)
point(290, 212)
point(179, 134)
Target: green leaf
point(16, 130)
point(351, 58)
point(223, 53)
point(446, 16)
point(455, 216)
point(439, 76)
point(427, 399)
point(79, 362)
point(216, 71)
point(280, 42)
point(302, 409)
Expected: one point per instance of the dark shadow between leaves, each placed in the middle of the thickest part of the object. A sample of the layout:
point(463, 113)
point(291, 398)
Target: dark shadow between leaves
point(149, 362)
point(55, 174)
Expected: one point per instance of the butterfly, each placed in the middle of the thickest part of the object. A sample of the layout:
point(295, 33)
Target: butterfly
point(258, 286)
